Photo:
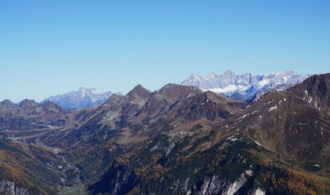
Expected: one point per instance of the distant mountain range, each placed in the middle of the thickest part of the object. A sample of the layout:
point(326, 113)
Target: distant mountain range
point(245, 87)
point(82, 98)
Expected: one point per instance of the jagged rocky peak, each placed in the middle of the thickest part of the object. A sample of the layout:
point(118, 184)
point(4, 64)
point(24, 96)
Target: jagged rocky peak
point(246, 86)
point(113, 98)
point(139, 91)
point(228, 74)
point(195, 76)
point(211, 76)
point(194, 80)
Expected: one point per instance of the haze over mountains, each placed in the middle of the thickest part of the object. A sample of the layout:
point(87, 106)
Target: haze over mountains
point(175, 140)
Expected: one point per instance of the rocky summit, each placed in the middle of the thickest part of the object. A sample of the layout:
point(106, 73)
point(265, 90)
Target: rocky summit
point(180, 139)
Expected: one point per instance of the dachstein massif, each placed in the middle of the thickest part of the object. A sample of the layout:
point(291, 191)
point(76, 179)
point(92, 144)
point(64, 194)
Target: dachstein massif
point(219, 134)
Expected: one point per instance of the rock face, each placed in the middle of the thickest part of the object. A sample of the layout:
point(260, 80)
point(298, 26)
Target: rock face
point(9, 188)
point(246, 86)
point(315, 91)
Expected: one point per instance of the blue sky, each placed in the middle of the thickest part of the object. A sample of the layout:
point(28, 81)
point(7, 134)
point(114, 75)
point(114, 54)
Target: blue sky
point(50, 47)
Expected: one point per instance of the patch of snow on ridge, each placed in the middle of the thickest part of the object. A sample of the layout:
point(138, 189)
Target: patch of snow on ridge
point(245, 115)
point(234, 187)
point(229, 89)
point(264, 82)
point(272, 108)
point(232, 138)
point(259, 192)
point(257, 143)
point(310, 100)
point(249, 172)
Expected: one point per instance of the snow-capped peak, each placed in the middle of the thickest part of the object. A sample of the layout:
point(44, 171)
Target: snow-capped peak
point(211, 76)
point(195, 76)
point(228, 73)
point(86, 92)
point(83, 97)
point(243, 86)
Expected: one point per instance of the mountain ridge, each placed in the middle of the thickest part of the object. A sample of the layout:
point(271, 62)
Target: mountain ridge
point(182, 138)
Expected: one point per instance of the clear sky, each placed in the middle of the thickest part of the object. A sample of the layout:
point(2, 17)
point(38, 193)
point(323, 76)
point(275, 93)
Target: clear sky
point(49, 47)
